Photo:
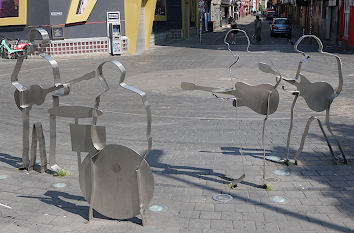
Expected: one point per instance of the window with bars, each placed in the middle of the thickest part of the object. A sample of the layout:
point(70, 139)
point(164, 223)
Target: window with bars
point(347, 4)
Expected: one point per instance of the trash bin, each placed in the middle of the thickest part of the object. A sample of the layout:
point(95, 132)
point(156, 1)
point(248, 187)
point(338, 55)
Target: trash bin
point(210, 26)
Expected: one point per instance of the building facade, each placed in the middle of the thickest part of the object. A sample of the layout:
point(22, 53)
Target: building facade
point(346, 23)
point(81, 20)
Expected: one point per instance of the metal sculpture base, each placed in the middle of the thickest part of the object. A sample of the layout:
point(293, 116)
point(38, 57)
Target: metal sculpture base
point(111, 183)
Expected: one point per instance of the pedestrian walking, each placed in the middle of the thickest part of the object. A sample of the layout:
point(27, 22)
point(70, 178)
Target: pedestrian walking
point(258, 28)
point(234, 25)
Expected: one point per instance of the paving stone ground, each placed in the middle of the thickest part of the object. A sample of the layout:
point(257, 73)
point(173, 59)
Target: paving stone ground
point(196, 141)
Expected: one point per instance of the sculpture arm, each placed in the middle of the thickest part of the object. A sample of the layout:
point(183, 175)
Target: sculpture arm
point(340, 74)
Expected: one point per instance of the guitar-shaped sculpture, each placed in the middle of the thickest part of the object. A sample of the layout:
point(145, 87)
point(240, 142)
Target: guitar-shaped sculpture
point(262, 99)
point(318, 96)
point(253, 97)
point(33, 46)
point(25, 97)
point(36, 94)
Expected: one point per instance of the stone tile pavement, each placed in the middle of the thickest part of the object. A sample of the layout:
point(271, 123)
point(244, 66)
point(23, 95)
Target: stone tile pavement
point(196, 141)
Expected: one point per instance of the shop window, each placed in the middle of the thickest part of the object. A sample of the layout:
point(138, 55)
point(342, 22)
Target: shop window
point(13, 12)
point(160, 11)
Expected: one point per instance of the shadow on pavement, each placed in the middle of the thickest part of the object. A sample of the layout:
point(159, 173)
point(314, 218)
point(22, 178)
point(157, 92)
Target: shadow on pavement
point(10, 160)
point(170, 171)
point(55, 198)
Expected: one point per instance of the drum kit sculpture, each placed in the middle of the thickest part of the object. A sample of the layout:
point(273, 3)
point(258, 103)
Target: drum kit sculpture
point(116, 180)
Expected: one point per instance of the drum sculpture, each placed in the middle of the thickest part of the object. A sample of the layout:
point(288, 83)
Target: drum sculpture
point(318, 97)
point(262, 99)
point(114, 179)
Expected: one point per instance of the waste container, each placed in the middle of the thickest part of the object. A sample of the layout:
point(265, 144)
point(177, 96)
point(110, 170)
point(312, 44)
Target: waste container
point(210, 26)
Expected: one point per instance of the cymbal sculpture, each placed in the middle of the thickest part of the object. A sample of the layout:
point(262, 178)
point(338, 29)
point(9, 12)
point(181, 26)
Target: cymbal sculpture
point(114, 179)
point(25, 98)
point(262, 99)
point(318, 97)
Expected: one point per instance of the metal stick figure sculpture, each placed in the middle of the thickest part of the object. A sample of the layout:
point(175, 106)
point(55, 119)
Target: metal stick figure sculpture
point(318, 96)
point(114, 179)
point(25, 98)
point(262, 99)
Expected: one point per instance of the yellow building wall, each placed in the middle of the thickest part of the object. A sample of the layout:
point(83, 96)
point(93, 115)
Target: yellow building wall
point(132, 13)
point(150, 6)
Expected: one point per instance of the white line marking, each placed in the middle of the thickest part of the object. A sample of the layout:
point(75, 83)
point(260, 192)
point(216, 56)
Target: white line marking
point(6, 206)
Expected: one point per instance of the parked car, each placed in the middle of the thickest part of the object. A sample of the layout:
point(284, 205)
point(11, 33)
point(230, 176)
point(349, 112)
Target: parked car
point(270, 14)
point(280, 26)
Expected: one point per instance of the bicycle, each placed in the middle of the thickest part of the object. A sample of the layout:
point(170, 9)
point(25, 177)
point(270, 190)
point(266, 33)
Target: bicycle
point(19, 49)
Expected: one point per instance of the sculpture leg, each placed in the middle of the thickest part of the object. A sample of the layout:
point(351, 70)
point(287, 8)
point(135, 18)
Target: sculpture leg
point(329, 145)
point(53, 140)
point(234, 182)
point(78, 153)
point(33, 149)
point(263, 129)
point(93, 190)
point(330, 131)
point(264, 159)
point(41, 141)
point(141, 197)
point(306, 131)
point(290, 128)
point(25, 138)
point(37, 136)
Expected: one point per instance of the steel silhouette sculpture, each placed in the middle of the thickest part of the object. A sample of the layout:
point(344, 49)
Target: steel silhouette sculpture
point(114, 179)
point(318, 97)
point(262, 99)
point(25, 98)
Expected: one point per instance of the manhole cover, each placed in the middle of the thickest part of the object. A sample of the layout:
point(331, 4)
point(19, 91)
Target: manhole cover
point(157, 208)
point(3, 177)
point(59, 185)
point(279, 199)
point(222, 197)
point(281, 172)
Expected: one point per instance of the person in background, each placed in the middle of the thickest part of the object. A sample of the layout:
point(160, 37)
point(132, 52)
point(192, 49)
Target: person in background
point(258, 28)
point(233, 33)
